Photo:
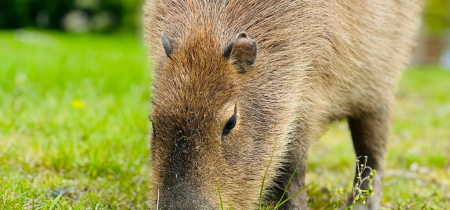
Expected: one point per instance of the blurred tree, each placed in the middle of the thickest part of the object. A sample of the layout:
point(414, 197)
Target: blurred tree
point(96, 15)
point(437, 15)
point(10, 10)
point(433, 40)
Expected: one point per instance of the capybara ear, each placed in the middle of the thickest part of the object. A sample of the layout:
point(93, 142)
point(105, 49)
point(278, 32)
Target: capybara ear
point(166, 44)
point(242, 51)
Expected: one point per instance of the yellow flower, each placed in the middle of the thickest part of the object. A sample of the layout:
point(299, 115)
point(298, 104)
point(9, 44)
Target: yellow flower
point(77, 104)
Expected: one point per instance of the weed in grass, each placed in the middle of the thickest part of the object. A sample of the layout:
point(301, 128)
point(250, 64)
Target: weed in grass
point(360, 195)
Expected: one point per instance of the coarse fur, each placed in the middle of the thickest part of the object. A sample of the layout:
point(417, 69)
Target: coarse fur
point(317, 61)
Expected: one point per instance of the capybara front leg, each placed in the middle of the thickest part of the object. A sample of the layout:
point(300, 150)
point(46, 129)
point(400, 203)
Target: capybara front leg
point(370, 132)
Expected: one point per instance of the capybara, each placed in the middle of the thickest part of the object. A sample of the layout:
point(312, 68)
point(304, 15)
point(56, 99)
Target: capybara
point(241, 86)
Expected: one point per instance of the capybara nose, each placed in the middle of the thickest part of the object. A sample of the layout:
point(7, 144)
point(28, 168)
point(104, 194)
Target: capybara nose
point(184, 197)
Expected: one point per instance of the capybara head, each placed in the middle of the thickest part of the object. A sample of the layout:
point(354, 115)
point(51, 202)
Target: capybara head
point(204, 131)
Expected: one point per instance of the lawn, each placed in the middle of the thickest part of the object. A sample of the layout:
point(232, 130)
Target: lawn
point(73, 121)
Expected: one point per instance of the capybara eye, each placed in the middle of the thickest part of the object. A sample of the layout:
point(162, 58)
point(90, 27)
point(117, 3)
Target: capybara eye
point(230, 125)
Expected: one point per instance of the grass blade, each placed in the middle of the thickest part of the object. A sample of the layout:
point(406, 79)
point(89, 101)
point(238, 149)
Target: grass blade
point(289, 183)
point(264, 179)
point(157, 202)
point(229, 204)
point(55, 201)
point(220, 197)
point(290, 197)
point(287, 186)
point(78, 207)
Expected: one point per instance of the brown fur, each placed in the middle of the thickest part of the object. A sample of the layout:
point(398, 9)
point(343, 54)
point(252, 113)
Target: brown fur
point(318, 61)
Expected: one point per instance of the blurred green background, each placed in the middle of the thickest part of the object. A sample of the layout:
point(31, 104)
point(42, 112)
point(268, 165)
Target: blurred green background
point(74, 100)
point(71, 15)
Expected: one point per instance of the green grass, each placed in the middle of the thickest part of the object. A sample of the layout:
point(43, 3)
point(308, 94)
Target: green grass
point(73, 121)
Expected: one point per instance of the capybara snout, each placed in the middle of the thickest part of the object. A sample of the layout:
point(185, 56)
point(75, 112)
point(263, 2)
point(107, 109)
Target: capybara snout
point(184, 196)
